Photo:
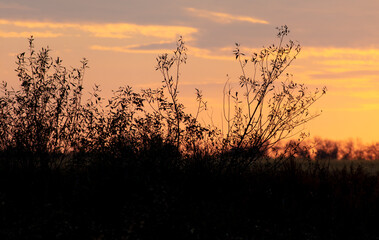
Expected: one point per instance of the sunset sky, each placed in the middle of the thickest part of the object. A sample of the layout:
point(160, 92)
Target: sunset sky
point(121, 38)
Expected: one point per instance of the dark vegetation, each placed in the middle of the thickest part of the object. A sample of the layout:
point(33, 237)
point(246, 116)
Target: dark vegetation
point(342, 150)
point(137, 166)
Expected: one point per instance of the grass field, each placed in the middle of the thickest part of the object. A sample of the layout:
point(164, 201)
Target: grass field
point(160, 196)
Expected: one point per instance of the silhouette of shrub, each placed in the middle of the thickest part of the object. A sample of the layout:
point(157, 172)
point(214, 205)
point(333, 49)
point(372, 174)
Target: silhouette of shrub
point(43, 116)
point(48, 116)
point(265, 110)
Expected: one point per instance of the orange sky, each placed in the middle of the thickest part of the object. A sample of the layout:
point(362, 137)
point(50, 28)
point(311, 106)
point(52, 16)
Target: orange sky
point(121, 47)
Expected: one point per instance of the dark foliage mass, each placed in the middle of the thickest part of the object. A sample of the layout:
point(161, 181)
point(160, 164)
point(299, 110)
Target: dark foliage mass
point(137, 166)
point(155, 196)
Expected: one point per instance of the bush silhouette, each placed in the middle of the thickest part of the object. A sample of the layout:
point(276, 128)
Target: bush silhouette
point(48, 116)
point(44, 115)
point(265, 110)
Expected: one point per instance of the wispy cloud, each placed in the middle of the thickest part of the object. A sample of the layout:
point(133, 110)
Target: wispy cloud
point(207, 54)
point(109, 30)
point(346, 74)
point(126, 30)
point(147, 48)
point(339, 52)
point(128, 49)
point(346, 59)
point(163, 48)
point(224, 17)
point(340, 67)
point(39, 24)
point(28, 34)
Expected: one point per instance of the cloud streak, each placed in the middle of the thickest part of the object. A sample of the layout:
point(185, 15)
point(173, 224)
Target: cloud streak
point(28, 34)
point(346, 74)
point(155, 48)
point(128, 49)
point(106, 30)
point(224, 17)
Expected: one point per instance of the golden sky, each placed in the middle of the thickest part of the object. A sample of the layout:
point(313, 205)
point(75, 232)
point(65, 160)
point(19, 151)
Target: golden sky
point(340, 48)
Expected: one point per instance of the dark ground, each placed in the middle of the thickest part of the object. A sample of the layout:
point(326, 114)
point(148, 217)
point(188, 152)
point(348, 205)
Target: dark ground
point(162, 196)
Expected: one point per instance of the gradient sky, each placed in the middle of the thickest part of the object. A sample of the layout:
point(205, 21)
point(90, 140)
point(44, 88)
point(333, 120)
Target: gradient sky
point(121, 38)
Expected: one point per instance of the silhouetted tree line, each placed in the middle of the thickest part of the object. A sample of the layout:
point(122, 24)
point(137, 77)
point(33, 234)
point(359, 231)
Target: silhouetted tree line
point(318, 148)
